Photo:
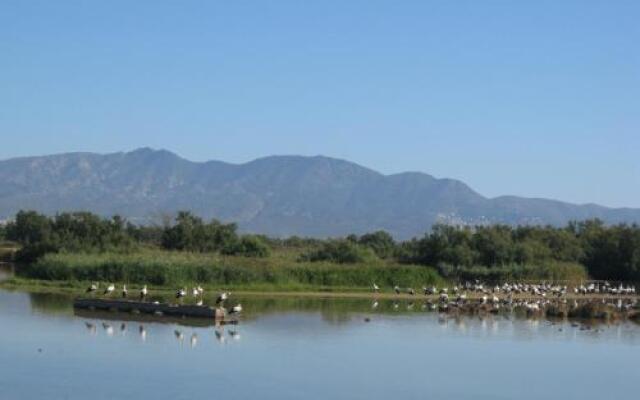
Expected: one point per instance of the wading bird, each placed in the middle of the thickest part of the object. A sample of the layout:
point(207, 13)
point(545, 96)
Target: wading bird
point(237, 309)
point(143, 292)
point(110, 289)
point(124, 291)
point(375, 287)
point(222, 297)
point(92, 288)
point(396, 289)
point(181, 293)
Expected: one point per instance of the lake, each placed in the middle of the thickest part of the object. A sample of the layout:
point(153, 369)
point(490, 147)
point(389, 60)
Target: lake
point(302, 348)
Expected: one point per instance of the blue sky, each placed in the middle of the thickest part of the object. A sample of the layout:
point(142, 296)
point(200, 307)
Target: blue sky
point(538, 98)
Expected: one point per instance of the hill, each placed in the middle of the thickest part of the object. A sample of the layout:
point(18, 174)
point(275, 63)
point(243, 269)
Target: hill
point(277, 195)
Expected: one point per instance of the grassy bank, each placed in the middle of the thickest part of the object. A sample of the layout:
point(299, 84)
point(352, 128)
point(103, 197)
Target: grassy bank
point(280, 272)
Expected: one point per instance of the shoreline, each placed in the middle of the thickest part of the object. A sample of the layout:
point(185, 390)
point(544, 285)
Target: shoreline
point(79, 288)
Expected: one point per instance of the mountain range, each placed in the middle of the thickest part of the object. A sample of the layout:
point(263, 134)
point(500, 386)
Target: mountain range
point(278, 195)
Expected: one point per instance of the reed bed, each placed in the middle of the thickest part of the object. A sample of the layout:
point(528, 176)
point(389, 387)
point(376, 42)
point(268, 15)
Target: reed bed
point(167, 268)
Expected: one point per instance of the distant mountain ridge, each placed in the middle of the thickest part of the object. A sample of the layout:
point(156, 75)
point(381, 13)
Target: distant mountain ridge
point(277, 195)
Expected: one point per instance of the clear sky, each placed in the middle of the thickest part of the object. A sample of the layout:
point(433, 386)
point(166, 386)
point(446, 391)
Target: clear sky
point(533, 98)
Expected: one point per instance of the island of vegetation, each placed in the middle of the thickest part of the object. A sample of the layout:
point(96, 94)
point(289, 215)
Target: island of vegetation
point(80, 247)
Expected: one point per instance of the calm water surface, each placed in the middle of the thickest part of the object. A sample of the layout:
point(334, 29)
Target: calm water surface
point(307, 349)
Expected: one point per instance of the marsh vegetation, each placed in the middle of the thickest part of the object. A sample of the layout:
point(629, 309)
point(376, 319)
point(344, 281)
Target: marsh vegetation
point(81, 246)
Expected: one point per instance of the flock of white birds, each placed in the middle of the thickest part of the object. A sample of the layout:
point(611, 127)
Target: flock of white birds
point(533, 297)
point(197, 292)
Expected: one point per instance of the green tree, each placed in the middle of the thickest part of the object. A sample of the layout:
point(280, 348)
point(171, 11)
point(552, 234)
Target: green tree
point(248, 246)
point(380, 242)
point(341, 251)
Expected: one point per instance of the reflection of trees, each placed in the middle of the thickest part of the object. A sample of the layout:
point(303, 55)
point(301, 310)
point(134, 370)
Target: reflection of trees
point(50, 303)
point(6, 271)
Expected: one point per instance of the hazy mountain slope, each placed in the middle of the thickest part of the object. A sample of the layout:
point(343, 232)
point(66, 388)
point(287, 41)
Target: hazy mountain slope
point(280, 195)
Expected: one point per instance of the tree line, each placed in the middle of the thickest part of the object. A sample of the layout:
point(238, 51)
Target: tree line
point(606, 251)
point(70, 232)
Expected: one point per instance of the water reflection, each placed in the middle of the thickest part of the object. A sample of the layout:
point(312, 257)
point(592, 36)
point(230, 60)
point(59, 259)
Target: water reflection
point(6, 271)
point(453, 325)
point(143, 333)
point(290, 348)
point(332, 311)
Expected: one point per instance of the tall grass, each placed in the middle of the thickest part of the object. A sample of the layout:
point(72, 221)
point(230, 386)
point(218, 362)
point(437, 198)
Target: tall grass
point(164, 268)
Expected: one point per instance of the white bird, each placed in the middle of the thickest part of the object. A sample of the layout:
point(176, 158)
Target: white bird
point(411, 291)
point(375, 287)
point(110, 289)
point(222, 297)
point(92, 288)
point(181, 293)
point(143, 292)
point(200, 290)
point(237, 309)
point(124, 291)
point(195, 292)
point(396, 289)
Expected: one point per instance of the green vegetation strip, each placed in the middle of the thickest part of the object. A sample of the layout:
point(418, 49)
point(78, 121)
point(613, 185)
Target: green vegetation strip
point(176, 269)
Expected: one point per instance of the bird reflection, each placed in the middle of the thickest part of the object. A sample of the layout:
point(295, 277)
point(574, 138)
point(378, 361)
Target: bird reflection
point(193, 342)
point(374, 305)
point(143, 333)
point(235, 335)
point(108, 328)
point(90, 327)
point(219, 336)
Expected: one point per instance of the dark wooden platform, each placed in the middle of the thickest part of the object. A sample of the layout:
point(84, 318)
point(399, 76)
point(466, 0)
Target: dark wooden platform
point(158, 309)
